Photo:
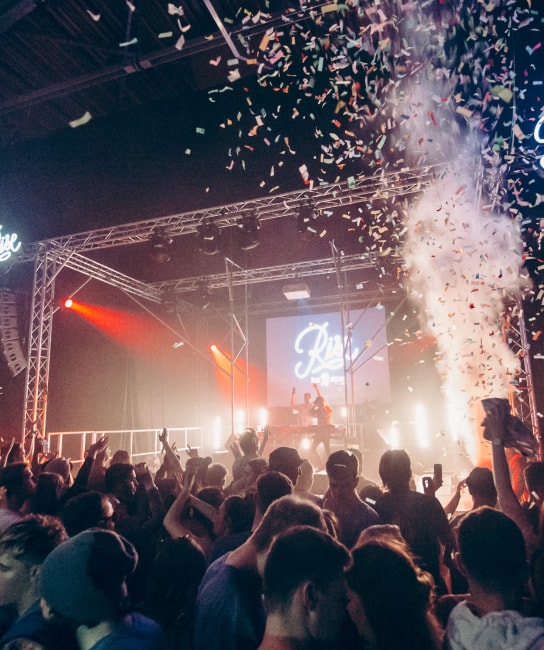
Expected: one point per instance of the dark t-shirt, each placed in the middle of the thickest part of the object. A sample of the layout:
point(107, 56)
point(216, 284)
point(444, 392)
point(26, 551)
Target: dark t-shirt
point(229, 611)
point(354, 521)
point(52, 635)
point(134, 632)
point(423, 524)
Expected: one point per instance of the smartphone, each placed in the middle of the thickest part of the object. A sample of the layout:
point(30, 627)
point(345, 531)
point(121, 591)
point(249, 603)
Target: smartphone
point(437, 476)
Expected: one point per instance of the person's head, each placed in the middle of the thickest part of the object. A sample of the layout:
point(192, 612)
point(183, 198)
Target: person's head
point(534, 479)
point(120, 456)
point(481, 487)
point(213, 496)
point(84, 579)
point(249, 442)
point(390, 598)
point(388, 534)
point(307, 398)
point(172, 583)
point(63, 467)
point(395, 469)
point(287, 461)
point(49, 489)
point(304, 574)
point(216, 475)
point(253, 470)
point(492, 551)
point(370, 494)
point(343, 472)
point(283, 513)
point(23, 549)
point(87, 510)
point(271, 486)
point(121, 481)
point(18, 483)
point(238, 513)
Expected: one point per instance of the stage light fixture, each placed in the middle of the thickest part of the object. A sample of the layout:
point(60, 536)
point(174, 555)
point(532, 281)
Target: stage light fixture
point(308, 220)
point(213, 347)
point(208, 238)
point(296, 291)
point(249, 232)
point(161, 246)
point(204, 297)
point(68, 303)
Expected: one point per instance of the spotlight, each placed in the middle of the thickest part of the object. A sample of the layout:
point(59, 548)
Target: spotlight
point(208, 236)
point(168, 301)
point(307, 220)
point(213, 347)
point(161, 246)
point(249, 235)
point(68, 303)
point(204, 297)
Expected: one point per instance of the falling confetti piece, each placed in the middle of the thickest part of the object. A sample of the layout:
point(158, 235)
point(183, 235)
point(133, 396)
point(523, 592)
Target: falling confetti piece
point(84, 119)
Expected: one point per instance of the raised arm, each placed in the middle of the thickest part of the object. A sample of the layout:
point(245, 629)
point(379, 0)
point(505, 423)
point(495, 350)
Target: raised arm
point(173, 461)
point(495, 430)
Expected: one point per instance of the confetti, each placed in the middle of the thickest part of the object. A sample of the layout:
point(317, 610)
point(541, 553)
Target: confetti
point(84, 119)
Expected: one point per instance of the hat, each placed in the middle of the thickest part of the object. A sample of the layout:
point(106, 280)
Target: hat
point(342, 464)
point(59, 466)
point(284, 458)
point(83, 579)
point(480, 480)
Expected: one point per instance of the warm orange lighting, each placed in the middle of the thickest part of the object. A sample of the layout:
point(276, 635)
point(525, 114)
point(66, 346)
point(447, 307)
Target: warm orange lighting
point(213, 347)
point(68, 303)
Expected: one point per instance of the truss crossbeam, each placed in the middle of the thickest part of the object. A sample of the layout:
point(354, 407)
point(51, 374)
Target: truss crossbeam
point(291, 271)
point(107, 275)
point(323, 197)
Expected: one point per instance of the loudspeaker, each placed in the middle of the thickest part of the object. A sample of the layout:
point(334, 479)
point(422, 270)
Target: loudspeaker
point(9, 333)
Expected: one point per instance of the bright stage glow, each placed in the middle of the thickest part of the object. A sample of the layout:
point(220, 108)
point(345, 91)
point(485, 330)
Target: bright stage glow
point(239, 420)
point(422, 426)
point(213, 347)
point(344, 412)
point(263, 417)
point(68, 303)
point(305, 444)
point(394, 437)
point(216, 433)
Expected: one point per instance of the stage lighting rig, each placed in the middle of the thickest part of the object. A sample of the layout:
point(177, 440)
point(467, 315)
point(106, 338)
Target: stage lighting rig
point(308, 220)
point(161, 246)
point(249, 232)
point(208, 238)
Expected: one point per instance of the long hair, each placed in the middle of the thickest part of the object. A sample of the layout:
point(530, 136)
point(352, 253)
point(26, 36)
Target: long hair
point(396, 597)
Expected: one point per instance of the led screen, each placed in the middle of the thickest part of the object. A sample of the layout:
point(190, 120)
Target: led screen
point(309, 349)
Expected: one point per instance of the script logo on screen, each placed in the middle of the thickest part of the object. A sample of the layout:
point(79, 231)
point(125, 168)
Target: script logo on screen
point(321, 353)
point(8, 245)
point(539, 136)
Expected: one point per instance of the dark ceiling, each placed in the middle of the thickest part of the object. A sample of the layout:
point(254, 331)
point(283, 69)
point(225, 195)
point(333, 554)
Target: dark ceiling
point(65, 60)
point(61, 60)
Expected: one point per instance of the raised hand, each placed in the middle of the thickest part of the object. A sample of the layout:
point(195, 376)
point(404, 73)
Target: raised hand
point(98, 447)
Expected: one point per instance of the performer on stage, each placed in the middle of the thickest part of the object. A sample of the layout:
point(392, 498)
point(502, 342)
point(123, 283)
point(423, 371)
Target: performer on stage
point(304, 411)
point(322, 432)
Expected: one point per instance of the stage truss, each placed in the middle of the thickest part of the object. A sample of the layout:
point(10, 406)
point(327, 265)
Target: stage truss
point(51, 256)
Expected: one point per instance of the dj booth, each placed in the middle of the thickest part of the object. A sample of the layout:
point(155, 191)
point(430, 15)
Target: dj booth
point(290, 435)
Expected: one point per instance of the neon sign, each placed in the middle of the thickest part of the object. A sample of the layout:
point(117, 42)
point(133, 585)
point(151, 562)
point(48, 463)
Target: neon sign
point(539, 136)
point(8, 245)
point(323, 353)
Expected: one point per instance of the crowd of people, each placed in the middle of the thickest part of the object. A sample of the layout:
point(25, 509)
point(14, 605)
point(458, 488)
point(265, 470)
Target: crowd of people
point(198, 556)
